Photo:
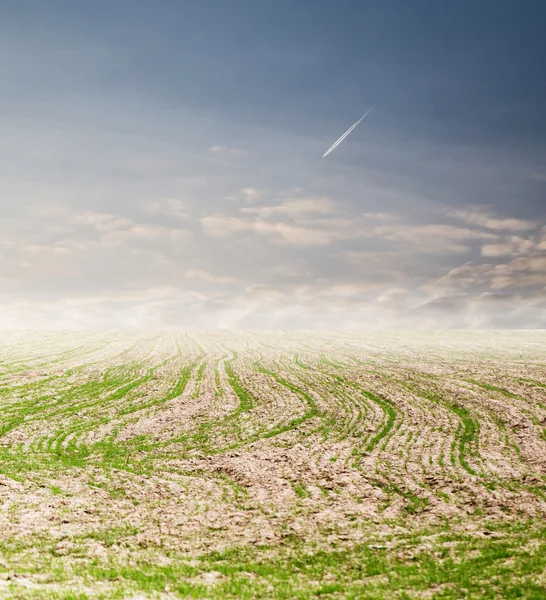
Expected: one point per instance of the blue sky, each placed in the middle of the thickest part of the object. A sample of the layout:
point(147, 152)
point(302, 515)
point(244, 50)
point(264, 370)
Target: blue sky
point(161, 163)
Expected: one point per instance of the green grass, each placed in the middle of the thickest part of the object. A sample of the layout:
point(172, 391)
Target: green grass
point(124, 486)
point(507, 564)
point(245, 398)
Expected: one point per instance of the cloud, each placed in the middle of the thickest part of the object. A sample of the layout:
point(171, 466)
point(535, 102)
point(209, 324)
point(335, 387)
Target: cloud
point(513, 246)
point(297, 235)
point(144, 233)
point(223, 226)
point(294, 208)
point(479, 311)
point(103, 222)
point(483, 217)
point(518, 273)
point(226, 150)
point(431, 239)
point(459, 278)
point(379, 217)
point(275, 258)
point(395, 298)
point(170, 207)
point(251, 194)
point(290, 222)
point(264, 294)
point(138, 228)
point(202, 275)
point(524, 271)
point(300, 221)
point(320, 221)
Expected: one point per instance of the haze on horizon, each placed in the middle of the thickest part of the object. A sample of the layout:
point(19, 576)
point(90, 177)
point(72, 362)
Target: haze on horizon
point(161, 164)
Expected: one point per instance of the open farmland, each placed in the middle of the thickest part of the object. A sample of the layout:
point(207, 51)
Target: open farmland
point(273, 465)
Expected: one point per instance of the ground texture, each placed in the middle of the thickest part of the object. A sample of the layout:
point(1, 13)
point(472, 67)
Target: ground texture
point(285, 465)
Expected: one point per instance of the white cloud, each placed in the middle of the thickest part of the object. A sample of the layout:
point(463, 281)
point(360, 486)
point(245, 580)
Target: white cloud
point(251, 194)
point(433, 239)
point(202, 275)
point(142, 233)
point(303, 260)
point(513, 246)
point(223, 226)
point(395, 298)
point(483, 217)
point(106, 235)
point(103, 222)
point(519, 273)
point(459, 278)
point(264, 293)
point(226, 150)
point(171, 207)
point(294, 208)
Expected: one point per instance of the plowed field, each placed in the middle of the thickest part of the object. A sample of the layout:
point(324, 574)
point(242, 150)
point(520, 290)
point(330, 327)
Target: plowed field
point(273, 465)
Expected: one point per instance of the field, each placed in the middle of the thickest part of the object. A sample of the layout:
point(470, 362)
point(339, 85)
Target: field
point(273, 465)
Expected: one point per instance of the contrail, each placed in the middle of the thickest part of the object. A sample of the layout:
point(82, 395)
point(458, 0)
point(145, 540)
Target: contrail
point(336, 144)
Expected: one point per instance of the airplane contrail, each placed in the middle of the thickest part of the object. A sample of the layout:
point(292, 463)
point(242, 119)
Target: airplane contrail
point(336, 143)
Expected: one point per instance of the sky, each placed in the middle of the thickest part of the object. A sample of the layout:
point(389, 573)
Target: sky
point(160, 164)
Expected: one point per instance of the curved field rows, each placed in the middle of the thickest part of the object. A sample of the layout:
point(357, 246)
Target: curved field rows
point(232, 464)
